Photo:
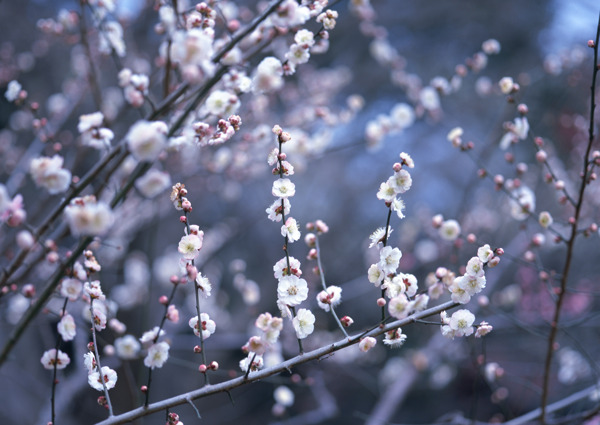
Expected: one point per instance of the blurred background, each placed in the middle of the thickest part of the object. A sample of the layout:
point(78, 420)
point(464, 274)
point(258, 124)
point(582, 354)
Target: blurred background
point(339, 167)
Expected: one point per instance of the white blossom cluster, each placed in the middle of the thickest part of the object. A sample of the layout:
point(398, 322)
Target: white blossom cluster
point(399, 288)
point(50, 174)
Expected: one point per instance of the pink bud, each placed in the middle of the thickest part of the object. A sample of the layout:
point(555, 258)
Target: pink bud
point(381, 302)
point(202, 368)
point(163, 299)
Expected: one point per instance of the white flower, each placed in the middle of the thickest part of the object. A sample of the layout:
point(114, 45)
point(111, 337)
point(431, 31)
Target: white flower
point(429, 98)
point(367, 343)
point(90, 121)
point(109, 378)
point(475, 267)
point(290, 229)
point(12, 91)
point(89, 362)
point(394, 338)
point(193, 47)
point(283, 188)
point(545, 219)
point(483, 328)
point(268, 75)
point(157, 355)
point(290, 14)
point(93, 290)
point(402, 115)
point(292, 290)
point(522, 203)
point(256, 364)
point(50, 358)
point(506, 85)
point(49, 174)
point(71, 288)
point(398, 206)
point(274, 210)
point(189, 245)
point(485, 253)
point(401, 181)
point(208, 325)
point(146, 140)
point(331, 297)
point(283, 395)
point(66, 327)
point(153, 183)
point(471, 284)
point(386, 192)
point(86, 217)
point(149, 336)
point(281, 268)
point(454, 134)
point(203, 285)
point(375, 275)
point(449, 230)
point(304, 323)
point(459, 295)
point(461, 322)
point(304, 36)
point(491, 47)
point(222, 103)
point(127, 347)
point(389, 259)
point(377, 236)
point(400, 307)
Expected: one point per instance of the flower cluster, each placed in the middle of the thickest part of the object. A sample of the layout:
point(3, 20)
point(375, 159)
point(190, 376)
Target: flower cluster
point(291, 288)
point(461, 324)
point(472, 282)
point(50, 174)
point(92, 132)
point(87, 216)
point(270, 327)
point(135, 87)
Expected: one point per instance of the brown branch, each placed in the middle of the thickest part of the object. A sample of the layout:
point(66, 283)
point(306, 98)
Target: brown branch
point(571, 241)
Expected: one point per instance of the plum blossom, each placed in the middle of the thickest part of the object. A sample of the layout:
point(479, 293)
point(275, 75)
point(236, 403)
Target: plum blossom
point(269, 75)
point(304, 323)
point(290, 229)
point(71, 288)
point(109, 377)
point(367, 343)
point(92, 132)
point(485, 253)
point(127, 347)
point(157, 355)
point(49, 174)
point(389, 259)
point(394, 338)
point(86, 216)
point(283, 188)
point(203, 285)
point(50, 359)
point(66, 327)
point(153, 183)
point(330, 297)
point(449, 230)
point(275, 211)
point(292, 290)
point(12, 91)
point(190, 245)
point(146, 140)
point(281, 268)
point(208, 325)
point(522, 203)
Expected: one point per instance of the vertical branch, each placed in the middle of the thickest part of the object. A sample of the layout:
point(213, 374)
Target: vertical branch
point(324, 285)
point(92, 76)
point(574, 221)
point(97, 354)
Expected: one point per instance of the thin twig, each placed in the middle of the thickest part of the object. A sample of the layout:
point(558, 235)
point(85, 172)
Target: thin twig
point(571, 241)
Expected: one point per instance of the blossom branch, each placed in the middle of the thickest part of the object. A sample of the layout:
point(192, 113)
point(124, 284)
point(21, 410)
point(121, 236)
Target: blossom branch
point(97, 356)
point(273, 370)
